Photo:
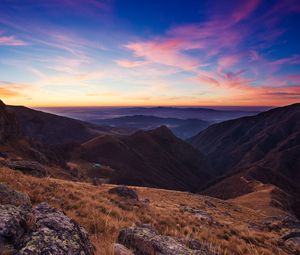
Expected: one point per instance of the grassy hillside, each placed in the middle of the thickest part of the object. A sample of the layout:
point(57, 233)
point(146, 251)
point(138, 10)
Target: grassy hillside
point(232, 228)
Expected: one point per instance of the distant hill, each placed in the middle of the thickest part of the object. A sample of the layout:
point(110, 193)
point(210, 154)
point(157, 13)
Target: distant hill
point(264, 148)
point(206, 114)
point(53, 129)
point(182, 128)
point(155, 158)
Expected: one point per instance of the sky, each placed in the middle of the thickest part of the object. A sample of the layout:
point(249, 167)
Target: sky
point(149, 53)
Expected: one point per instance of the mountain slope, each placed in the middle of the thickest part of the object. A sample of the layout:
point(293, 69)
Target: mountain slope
point(9, 128)
point(270, 139)
point(52, 129)
point(153, 158)
point(252, 151)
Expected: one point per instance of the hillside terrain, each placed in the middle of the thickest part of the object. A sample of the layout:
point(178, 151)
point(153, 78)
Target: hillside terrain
point(225, 227)
point(250, 165)
point(53, 129)
point(74, 149)
point(263, 148)
point(155, 158)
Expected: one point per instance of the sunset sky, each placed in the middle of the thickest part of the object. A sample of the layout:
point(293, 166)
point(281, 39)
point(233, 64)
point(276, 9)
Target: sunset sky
point(134, 52)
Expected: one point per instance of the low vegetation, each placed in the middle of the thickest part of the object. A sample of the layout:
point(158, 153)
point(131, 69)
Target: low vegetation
point(229, 228)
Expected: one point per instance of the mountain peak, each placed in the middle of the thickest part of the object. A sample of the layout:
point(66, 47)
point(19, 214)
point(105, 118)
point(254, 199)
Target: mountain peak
point(2, 105)
point(162, 131)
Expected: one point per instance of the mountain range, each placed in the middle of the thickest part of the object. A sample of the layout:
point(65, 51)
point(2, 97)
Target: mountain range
point(233, 159)
point(182, 128)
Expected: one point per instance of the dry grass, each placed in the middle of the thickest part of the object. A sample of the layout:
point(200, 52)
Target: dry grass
point(103, 214)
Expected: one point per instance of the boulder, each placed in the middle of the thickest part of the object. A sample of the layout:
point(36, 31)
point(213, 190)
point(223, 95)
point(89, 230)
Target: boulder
point(56, 234)
point(28, 167)
point(35, 231)
point(124, 191)
point(120, 249)
point(9, 196)
point(15, 223)
point(147, 241)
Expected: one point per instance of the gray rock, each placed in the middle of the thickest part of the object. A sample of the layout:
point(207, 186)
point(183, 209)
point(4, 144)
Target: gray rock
point(15, 223)
point(146, 241)
point(12, 197)
point(124, 191)
point(201, 215)
point(56, 234)
point(120, 249)
point(277, 223)
point(28, 167)
point(39, 231)
point(292, 234)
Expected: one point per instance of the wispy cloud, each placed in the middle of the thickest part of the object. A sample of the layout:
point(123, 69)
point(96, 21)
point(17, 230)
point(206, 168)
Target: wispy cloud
point(10, 40)
point(130, 63)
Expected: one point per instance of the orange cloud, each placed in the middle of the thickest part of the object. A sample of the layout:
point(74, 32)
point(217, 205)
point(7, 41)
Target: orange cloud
point(5, 92)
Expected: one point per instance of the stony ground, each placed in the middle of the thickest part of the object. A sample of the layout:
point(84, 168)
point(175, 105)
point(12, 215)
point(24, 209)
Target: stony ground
point(226, 226)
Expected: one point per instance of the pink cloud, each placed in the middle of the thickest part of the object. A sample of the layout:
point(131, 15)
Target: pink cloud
point(130, 63)
point(294, 60)
point(11, 41)
point(166, 51)
point(245, 10)
point(204, 79)
point(229, 61)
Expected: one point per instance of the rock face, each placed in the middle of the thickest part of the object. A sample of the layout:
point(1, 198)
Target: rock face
point(146, 241)
point(124, 191)
point(40, 230)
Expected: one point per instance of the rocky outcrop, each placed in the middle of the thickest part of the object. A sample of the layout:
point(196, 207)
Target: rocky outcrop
point(28, 167)
point(124, 191)
point(40, 230)
point(9, 196)
point(146, 241)
point(9, 128)
point(201, 215)
point(15, 224)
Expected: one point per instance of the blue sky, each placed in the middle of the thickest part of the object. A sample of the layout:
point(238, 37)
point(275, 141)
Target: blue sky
point(103, 53)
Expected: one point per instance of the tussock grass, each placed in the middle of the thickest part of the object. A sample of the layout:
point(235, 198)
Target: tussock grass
point(103, 214)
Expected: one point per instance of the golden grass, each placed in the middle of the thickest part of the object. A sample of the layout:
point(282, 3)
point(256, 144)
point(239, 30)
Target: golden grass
point(103, 214)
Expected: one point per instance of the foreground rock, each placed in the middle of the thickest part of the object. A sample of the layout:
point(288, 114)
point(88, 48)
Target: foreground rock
point(41, 230)
point(120, 249)
point(146, 241)
point(124, 191)
point(9, 196)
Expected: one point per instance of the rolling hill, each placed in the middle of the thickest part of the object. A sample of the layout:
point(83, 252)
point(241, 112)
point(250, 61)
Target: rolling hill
point(155, 158)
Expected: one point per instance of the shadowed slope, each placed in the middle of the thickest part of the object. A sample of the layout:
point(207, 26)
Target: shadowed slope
point(154, 158)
